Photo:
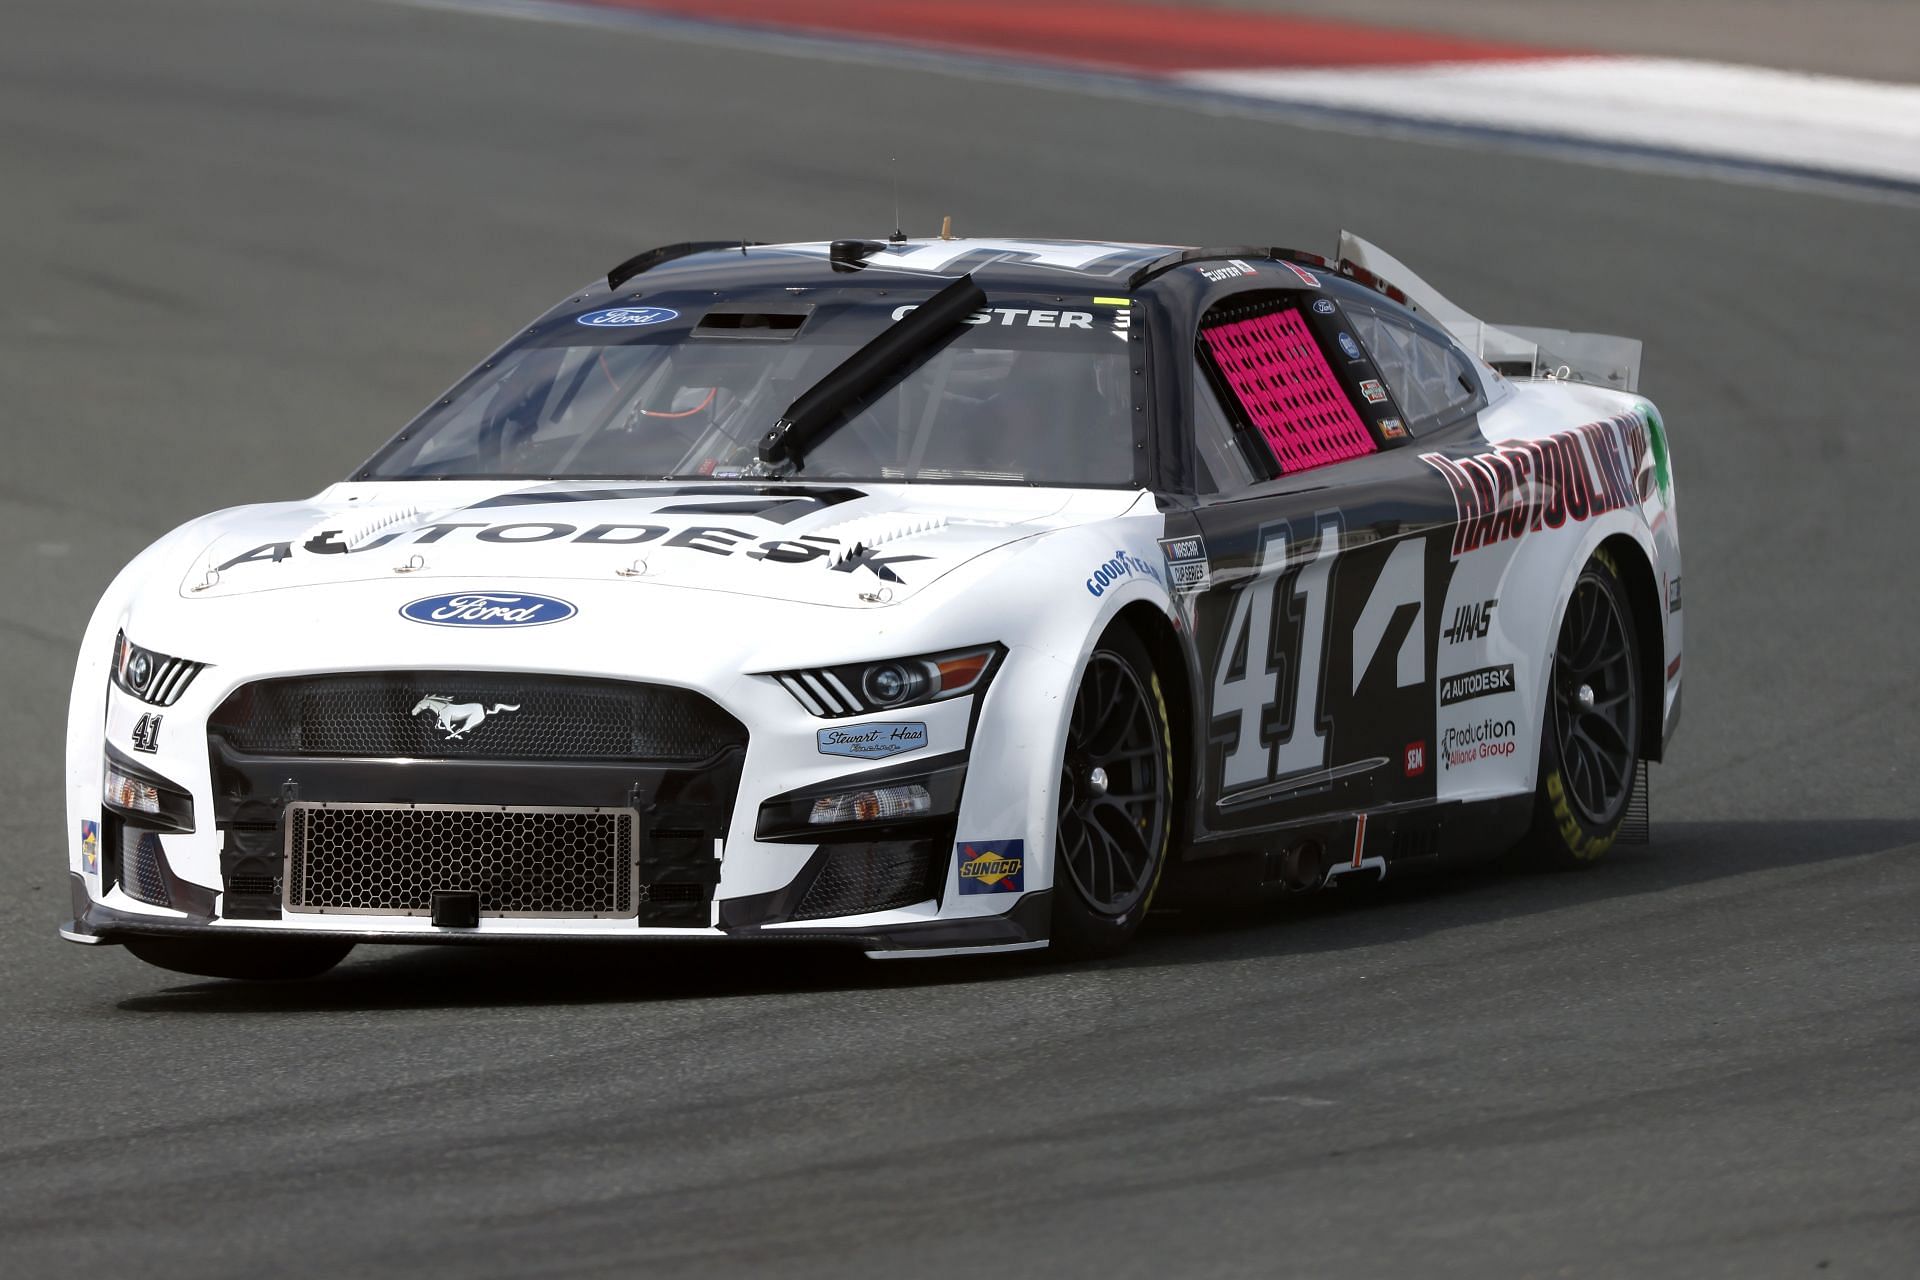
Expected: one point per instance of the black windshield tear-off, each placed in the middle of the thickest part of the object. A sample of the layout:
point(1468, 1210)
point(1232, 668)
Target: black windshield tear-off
point(919, 333)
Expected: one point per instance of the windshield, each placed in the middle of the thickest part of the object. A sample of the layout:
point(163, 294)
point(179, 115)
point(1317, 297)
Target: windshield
point(1031, 390)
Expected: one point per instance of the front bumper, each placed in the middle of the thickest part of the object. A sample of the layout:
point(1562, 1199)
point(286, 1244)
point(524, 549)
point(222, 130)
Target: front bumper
point(1023, 928)
point(719, 834)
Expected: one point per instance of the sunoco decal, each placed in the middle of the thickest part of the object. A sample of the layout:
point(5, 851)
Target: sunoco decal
point(90, 846)
point(873, 741)
point(488, 609)
point(992, 866)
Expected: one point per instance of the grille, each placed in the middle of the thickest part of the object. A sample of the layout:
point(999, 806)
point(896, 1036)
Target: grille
point(252, 886)
point(1278, 374)
point(140, 860)
point(858, 878)
point(373, 859)
point(467, 715)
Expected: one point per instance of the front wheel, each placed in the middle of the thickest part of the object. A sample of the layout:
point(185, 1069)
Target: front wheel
point(1590, 742)
point(1115, 810)
point(260, 959)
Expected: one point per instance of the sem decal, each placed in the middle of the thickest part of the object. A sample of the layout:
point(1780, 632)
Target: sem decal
point(872, 741)
point(991, 866)
point(1416, 759)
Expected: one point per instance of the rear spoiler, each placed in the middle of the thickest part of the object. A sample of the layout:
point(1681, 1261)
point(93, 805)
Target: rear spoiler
point(1515, 350)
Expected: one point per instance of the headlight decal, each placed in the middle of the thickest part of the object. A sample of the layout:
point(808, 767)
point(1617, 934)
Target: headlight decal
point(150, 676)
point(890, 684)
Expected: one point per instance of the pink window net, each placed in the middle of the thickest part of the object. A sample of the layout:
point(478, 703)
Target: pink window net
point(1275, 367)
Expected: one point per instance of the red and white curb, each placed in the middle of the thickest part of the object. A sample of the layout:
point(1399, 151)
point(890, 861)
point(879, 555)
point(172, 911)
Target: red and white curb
point(1715, 117)
point(1771, 118)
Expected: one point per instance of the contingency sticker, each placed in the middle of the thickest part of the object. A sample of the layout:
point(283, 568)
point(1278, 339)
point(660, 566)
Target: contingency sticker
point(1186, 563)
point(992, 866)
point(873, 740)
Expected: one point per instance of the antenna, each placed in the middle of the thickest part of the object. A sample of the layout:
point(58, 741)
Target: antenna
point(899, 236)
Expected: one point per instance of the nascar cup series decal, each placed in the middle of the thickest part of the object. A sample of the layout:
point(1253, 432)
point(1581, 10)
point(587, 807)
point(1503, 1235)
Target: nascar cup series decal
point(488, 609)
point(992, 866)
point(872, 741)
point(626, 317)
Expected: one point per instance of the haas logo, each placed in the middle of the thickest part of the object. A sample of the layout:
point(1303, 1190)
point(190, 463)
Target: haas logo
point(457, 719)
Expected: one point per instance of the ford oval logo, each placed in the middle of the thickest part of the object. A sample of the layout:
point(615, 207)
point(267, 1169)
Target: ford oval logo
point(488, 609)
point(620, 317)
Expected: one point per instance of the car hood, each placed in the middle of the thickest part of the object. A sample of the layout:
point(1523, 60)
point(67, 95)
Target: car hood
point(848, 545)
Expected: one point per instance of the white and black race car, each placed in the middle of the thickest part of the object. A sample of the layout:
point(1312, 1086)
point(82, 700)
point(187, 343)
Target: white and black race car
point(930, 596)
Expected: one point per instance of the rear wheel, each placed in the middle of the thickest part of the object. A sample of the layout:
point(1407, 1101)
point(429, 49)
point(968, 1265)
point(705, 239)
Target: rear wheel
point(261, 959)
point(1115, 803)
point(1590, 743)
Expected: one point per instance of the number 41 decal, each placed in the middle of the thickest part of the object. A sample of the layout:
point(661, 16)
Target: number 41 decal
point(1297, 753)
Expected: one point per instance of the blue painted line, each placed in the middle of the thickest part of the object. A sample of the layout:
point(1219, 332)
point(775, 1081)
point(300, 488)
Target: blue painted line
point(1547, 144)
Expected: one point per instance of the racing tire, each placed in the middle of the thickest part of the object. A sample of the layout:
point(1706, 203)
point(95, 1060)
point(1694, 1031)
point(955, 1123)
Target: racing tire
point(1115, 808)
point(1590, 735)
point(258, 959)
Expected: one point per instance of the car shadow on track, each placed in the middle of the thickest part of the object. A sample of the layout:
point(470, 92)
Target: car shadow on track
point(1397, 912)
point(1408, 907)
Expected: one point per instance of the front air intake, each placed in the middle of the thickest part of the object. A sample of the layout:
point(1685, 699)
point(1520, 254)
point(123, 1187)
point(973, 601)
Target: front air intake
point(382, 859)
point(858, 878)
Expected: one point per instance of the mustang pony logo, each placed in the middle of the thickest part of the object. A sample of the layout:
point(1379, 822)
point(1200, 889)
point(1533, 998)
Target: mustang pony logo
point(457, 719)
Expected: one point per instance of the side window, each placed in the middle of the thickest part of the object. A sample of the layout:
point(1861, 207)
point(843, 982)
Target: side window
point(1217, 449)
point(1430, 378)
point(1276, 383)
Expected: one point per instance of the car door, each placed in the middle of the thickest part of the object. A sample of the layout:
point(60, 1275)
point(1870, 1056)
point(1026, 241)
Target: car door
point(1317, 623)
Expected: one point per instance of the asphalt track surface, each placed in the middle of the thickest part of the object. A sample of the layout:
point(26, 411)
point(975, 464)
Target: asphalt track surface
point(240, 246)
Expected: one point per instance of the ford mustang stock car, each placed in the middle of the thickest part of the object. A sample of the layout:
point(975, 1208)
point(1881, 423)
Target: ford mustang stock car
point(930, 596)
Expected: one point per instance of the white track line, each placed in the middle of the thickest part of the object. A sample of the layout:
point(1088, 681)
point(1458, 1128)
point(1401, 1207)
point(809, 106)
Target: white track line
point(1748, 113)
